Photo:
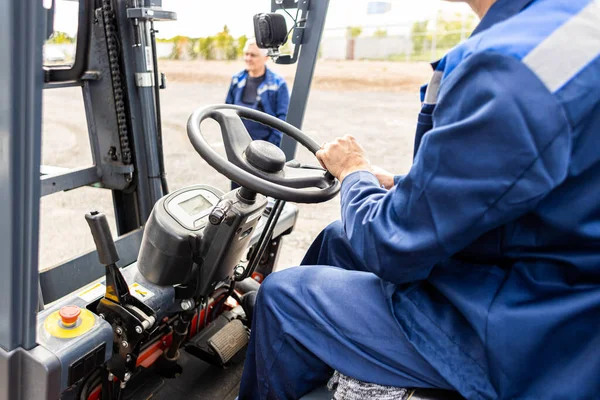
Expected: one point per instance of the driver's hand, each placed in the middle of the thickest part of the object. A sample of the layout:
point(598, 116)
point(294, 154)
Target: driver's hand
point(343, 156)
point(385, 178)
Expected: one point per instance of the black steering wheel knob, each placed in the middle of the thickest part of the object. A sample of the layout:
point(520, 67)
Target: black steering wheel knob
point(265, 156)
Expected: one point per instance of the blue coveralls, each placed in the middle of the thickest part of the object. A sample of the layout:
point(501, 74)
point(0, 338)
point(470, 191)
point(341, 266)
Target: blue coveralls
point(479, 270)
point(272, 98)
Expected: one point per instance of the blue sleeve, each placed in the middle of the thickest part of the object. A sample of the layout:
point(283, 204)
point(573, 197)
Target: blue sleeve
point(500, 143)
point(229, 99)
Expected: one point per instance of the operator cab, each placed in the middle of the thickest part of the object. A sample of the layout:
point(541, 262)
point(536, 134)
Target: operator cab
point(192, 259)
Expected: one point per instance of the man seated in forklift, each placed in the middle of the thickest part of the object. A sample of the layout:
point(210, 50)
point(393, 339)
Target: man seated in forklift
point(261, 89)
point(479, 270)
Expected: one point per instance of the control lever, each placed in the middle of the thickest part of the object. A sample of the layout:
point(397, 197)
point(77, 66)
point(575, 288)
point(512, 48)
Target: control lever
point(218, 213)
point(130, 318)
point(117, 289)
point(107, 252)
point(298, 164)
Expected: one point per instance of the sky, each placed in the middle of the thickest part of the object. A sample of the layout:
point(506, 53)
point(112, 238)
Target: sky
point(198, 18)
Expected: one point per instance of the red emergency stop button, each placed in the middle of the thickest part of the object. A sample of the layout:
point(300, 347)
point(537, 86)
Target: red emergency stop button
point(69, 315)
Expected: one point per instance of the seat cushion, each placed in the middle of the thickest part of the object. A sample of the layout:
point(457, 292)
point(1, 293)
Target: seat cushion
point(342, 387)
point(323, 393)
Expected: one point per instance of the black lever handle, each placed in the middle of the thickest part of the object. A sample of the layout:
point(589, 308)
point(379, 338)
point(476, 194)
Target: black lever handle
point(107, 252)
point(297, 164)
point(116, 286)
point(219, 212)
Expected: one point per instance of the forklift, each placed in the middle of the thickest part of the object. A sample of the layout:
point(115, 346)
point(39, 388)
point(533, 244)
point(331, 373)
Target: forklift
point(164, 310)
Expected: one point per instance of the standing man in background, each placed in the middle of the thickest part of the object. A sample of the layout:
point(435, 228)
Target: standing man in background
point(261, 89)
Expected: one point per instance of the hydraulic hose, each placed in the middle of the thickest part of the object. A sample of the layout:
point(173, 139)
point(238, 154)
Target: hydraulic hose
point(222, 301)
point(180, 331)
point(215, 295)
point(89, 385)
point(161, 157)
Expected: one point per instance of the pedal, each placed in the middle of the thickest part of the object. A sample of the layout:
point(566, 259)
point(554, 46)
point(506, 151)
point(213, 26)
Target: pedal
point(227, 342)
point(220, 341)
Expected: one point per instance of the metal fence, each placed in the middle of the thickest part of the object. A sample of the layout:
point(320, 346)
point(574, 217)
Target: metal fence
point(405, 46)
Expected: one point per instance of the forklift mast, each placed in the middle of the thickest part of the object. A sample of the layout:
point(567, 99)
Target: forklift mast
point(116, 68)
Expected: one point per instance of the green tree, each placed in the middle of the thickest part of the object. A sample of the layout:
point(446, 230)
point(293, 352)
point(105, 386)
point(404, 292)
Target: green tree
point(175, 49)
point(194, 48)
point(206, 48)
point(380, 33)
point(419, 35)
point(354, 31)
point(450, 31)
point(180, 47)
point(231, 53)
point(61, 38)
point(241, 43)
point(225, 44)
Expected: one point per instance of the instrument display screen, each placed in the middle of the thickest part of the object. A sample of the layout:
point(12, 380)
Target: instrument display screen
point(195, 205)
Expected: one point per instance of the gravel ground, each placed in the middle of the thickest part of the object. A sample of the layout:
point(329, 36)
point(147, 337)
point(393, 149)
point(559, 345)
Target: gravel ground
point(383, 121)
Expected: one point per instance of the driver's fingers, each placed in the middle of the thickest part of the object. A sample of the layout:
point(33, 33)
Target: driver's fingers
point(320, 156)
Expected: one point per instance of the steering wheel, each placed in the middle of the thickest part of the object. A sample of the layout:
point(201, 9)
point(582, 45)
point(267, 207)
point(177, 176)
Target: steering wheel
point(257, 164)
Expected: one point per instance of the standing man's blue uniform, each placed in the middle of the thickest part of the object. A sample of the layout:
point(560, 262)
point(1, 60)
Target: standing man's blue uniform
point(479, 271)
point(269, 94)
